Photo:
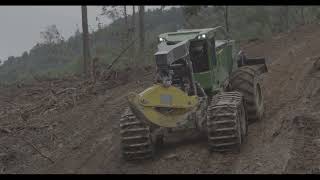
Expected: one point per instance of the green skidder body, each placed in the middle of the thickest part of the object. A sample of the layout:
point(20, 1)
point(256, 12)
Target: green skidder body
point(201, 85)
point(211, 55)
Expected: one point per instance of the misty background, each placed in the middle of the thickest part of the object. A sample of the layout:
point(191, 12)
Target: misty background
point(47, 41)
point(21, 25)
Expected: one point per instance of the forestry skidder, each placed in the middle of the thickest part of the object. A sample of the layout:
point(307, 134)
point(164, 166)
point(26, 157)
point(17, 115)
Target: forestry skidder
point(199, 85)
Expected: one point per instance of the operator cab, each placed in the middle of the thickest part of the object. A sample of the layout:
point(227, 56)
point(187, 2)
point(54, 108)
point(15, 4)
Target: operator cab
point(210, 53)
point(203, 50)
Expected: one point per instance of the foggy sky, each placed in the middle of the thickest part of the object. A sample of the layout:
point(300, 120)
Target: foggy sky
point(21, 25)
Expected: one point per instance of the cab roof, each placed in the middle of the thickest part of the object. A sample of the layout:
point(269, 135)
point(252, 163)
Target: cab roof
point(189, 34)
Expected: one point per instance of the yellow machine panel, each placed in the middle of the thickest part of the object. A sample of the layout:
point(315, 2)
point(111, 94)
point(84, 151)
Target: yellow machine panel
point(163, 106)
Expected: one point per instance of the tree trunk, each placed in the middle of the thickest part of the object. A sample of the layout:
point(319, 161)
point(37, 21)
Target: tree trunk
point(287, 17)
point(86, 51)
point(226, 18)
point(125, 15)
point(302, 15)
point(133, 18)
point(141, 32)
point(162, 8)
point(134, 35)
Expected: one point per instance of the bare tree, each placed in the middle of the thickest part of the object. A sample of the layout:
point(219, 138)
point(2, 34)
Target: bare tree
point(141, 30)
point(302, 14)
point(226, 18)
point(111, 11)
point(51, 35)
point(189, 12)
point(86, 51)
point(162, 8)
point(133, 17)
point(282, 18)
point(287, 17)
point(134, 34)
point(115, 12)
point(77, 32)
point(125, 15)
point(25, 55)
point(99, 23)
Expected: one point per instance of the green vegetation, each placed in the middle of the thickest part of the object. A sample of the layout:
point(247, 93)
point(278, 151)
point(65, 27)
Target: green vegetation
point(57, 57)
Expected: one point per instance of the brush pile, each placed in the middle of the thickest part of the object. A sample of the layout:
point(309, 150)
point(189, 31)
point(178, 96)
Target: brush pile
point(46, 95)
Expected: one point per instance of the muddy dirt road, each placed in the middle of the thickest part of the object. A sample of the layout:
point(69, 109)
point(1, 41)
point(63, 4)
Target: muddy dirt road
point(84, 139)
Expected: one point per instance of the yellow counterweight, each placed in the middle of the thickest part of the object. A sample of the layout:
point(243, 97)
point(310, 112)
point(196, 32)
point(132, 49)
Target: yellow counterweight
point(163, 106)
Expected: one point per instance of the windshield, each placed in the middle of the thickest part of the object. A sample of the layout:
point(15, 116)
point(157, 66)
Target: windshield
point(199, 56)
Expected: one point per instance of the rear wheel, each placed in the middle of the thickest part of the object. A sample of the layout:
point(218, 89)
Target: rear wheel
point(226, 122)
point(136, 140)
point(245, 80)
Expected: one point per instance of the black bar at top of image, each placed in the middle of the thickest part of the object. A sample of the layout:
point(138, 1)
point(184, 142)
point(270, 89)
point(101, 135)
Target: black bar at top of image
point(159, 2)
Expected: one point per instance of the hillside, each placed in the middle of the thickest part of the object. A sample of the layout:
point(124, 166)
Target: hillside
point(64, 57)
point(84, 138)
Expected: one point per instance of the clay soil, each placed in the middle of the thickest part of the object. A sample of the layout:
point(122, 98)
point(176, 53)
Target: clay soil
point(83, 135)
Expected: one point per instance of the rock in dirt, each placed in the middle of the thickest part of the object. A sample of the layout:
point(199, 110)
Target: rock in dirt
point(172, 156)
point(305, 100)
point(3, 155)
point(317, 142)
point(316, 64)
point(5, 130)
point(315, 170)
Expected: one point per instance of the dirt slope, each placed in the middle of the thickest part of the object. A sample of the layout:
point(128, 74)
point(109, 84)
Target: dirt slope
point(84, 139)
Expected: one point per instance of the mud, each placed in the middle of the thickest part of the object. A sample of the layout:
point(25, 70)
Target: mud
point(85, 137)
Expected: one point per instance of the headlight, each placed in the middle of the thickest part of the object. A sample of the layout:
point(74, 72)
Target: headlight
point(202, 36)
point(161, 39)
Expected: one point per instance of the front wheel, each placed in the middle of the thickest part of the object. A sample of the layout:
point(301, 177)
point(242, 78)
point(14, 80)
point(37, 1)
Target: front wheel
point(245, 80)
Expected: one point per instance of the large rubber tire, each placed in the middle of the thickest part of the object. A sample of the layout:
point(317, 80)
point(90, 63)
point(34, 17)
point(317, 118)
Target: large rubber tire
point(246, 80)
point(136, 140)
point(227, 125)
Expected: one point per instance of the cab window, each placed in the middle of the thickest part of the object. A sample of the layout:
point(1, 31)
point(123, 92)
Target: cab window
point(199, 56)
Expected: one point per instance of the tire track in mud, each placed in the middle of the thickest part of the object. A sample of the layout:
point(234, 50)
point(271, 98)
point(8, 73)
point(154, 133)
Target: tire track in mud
point(99, 150)
point(304, 155)
point(99, 141)
point(268, 149)
point(285, 141)
point(220, 163)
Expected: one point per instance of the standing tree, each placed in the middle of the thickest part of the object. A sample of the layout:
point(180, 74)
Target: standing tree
point(302, 15)
point(134, 34)
point(226, 18)
point(77, 32)
point(162, 8)
point(141, 31)
point(115, 12)
point(51, 35)
point(281, 18)
point(125, 15)
point(189, 12)
point(133, 18)
point(287, 17)
point(24, 55)
point(86, 52)
point(99, 23)
point(111, 12)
